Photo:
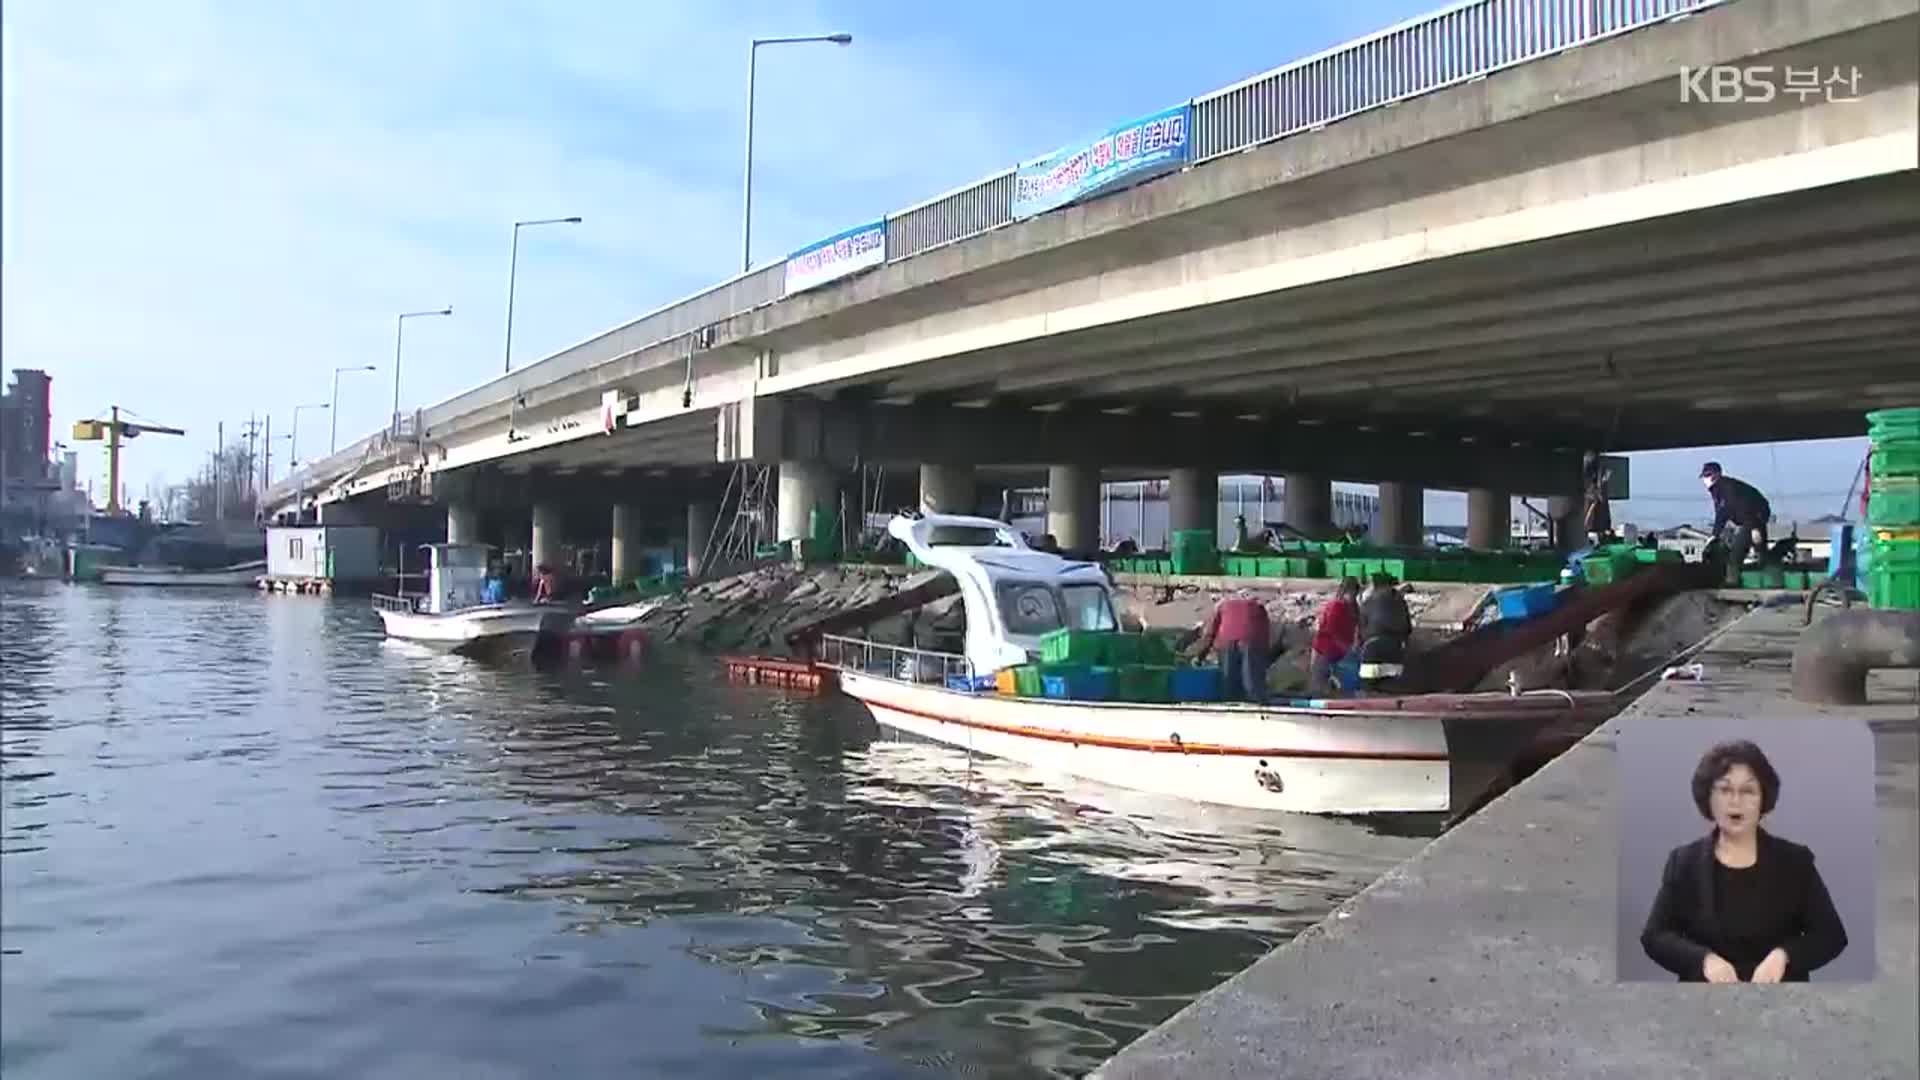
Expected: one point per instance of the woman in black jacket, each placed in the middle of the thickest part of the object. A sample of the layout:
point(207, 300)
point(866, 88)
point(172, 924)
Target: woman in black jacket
point(1740, 904)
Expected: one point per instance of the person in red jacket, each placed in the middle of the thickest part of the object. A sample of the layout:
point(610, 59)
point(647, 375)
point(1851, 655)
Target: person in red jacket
point(1240, 627)
point(1335, 634)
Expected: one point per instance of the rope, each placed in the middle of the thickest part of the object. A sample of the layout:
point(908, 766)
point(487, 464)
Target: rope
point(1655, 670)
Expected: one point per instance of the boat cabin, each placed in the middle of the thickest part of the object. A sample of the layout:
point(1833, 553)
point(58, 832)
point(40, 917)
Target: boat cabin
point(455, 574)
point(1012, 594)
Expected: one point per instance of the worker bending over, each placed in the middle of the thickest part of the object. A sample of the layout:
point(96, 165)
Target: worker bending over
point(1385, 627)
point(1239, 626)
point(1740, 516)
point(1335, 635)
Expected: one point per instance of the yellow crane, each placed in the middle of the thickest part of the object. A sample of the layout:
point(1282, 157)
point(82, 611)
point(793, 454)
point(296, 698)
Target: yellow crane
point(114, 431)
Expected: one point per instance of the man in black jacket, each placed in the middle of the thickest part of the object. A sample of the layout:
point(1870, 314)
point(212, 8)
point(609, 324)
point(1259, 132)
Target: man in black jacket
point(1740, 516)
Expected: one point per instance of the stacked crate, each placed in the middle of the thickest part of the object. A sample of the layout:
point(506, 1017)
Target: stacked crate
point(1893, 509)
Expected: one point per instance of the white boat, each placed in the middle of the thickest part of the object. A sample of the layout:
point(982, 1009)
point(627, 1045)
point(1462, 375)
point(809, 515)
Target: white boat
point(618, 617)
point(245, 574)
point(1347, 760)
point(451, 615)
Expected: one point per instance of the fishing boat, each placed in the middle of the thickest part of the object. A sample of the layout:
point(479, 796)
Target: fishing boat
point(244, 575)
point(451, 616)
point(1344, 756)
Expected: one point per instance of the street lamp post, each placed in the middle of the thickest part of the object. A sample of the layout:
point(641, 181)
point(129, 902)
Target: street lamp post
point(746, 214)
point(293, 452)
point(513, 267)
point(333, 437)
point(399, 325)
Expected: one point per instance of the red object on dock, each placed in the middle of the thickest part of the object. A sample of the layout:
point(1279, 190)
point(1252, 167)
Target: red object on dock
point(791, 674)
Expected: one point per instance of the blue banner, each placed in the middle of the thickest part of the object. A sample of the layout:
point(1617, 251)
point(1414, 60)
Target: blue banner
point(1124, 155)
point(837, 256)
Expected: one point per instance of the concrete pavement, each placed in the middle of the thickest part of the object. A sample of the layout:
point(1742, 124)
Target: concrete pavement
point(1492, 952)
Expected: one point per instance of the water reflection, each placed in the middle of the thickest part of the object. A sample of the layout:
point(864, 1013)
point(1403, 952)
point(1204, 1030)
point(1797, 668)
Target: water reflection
point(289, 826)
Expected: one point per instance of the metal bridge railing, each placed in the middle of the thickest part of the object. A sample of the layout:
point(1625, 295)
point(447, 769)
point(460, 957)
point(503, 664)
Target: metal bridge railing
point(1456, 44)
point(1466, 41)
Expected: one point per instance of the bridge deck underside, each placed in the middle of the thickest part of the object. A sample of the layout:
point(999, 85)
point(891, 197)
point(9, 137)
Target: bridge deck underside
point(1780, 318)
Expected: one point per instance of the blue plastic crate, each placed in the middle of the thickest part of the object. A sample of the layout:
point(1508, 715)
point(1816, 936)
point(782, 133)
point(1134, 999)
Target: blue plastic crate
point(1196, 684)
point(971, 684)
point(1086, 685)
point(1530, 602)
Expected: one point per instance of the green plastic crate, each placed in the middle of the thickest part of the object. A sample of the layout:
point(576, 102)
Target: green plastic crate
point(1274, 566)
point(1896, 457)
point(1605, 570)
point(1894, 500)
point(1240, 565)
point(1076, 647)
point(1300, 566)
point(1887, 425)
point(1026, 681)
point(1656, 555)
point(1121, 649)
point(1143, 683)
point(1156, 648)
point(1894, 578)
point(1897, 590)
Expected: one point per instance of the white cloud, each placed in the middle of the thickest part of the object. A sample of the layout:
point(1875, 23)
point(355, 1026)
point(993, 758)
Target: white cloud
point(211, 206)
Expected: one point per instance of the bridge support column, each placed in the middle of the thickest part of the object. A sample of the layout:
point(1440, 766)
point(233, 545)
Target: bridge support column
point(1489, 519)
point(804, 485)
point(1193, 501)
point(947, 489)
point(625, 554)
point(700, 517)
point(1402, 520)
point(1310, 503)
point(546, 535)
point(1073, 506)
point(463, 524)
point(1565, 510)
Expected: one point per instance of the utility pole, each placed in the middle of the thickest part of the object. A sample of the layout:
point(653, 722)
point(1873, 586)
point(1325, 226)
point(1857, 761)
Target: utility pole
point(244, 484)
point(266, 458)
point(219, 474)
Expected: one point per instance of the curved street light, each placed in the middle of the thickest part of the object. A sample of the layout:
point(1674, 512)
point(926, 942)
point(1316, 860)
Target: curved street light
point(753, 50)
point(399, 325)
point(333, 438)
point(513, 267)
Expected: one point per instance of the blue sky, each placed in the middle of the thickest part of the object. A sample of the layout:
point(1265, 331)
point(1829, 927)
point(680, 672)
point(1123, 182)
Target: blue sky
point(210, 206)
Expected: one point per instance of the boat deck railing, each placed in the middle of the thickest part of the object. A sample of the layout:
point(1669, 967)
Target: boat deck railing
point(401, 604)
point(904, 662)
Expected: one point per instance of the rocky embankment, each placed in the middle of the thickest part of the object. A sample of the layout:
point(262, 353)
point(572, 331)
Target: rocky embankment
point(754, 611)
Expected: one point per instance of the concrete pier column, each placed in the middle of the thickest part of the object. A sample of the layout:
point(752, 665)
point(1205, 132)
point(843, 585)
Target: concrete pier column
point(1566, 512)
point(463, 524)
point(625, 556)
point(803, 486)
point(1309, 502)
point(947, 489)
point(700, 517)
point(1193, 501)
point(1489, 519)
point(1073, 506)
point(1402, 520)
point(546, 535)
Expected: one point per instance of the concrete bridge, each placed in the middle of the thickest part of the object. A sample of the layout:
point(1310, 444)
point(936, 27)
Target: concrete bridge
point(1452, 255)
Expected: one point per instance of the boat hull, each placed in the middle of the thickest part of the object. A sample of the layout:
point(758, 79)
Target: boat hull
point(153, 575)
point(476, 631)
point(1234, 755)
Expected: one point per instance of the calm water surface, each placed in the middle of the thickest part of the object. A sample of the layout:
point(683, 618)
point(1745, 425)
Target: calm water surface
point(246, 836)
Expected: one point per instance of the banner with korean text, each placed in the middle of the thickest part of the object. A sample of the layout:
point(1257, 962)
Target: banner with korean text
point(1128, 154)
point(837, 256)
